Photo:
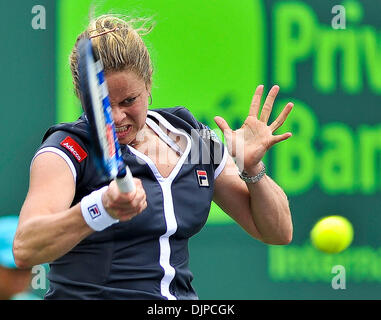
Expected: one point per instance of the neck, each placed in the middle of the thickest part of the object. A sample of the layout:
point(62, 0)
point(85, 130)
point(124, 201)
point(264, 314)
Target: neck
point(141, 137)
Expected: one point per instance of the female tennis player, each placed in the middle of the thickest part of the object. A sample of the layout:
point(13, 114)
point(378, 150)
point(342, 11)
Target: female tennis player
point(138, 249)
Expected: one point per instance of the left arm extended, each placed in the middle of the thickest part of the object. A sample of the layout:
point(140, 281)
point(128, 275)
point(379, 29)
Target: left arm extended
point(261, 208)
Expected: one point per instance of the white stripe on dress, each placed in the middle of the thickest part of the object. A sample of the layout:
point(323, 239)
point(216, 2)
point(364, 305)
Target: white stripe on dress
point(63, 155)
point(169, 212)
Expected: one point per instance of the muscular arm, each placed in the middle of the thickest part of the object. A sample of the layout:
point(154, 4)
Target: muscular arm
point(261, 209)
point(48, 228)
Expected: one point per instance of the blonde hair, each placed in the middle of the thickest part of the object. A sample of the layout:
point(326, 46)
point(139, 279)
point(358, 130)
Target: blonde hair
point(118, 42)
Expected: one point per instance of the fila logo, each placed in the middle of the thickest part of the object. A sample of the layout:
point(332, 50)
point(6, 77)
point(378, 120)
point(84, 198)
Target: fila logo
point(202, 178)
point(74, 148)
point(94, 211)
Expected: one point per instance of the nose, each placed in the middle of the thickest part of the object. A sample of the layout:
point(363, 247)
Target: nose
point(118, 115)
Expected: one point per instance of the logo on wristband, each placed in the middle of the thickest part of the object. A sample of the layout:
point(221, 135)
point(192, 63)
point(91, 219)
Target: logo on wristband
point(94, 211)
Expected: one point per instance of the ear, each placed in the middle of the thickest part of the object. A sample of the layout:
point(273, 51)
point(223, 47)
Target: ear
point(148, 88)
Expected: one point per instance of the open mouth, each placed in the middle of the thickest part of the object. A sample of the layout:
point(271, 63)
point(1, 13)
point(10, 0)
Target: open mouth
point(123, 131)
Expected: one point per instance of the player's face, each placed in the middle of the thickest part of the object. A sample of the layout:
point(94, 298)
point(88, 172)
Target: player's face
point(129, 101)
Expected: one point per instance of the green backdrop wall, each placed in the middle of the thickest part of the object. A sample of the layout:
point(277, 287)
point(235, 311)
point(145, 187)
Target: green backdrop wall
point(28, 94)
point(209, 56)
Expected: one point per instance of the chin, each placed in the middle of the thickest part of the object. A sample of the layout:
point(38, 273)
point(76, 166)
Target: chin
point(125, 141)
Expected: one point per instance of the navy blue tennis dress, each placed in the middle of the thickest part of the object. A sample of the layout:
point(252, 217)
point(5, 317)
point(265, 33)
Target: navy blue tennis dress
point(146, 257)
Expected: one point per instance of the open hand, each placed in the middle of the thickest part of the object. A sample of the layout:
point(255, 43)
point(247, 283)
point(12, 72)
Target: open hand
point(249, 144)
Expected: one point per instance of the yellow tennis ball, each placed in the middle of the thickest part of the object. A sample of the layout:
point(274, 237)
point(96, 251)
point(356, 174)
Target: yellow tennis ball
point(332, 234)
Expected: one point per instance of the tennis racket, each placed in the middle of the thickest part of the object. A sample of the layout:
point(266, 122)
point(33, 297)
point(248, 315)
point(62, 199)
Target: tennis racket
point(96, 104)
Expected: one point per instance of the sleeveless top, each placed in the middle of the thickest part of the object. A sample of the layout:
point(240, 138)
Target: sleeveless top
point(146, 257)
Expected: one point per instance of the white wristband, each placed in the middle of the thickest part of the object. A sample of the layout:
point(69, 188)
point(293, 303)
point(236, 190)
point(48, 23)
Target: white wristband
point(94, 213)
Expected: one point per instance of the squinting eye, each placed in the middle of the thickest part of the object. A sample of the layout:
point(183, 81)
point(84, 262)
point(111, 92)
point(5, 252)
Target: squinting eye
point(128, 101)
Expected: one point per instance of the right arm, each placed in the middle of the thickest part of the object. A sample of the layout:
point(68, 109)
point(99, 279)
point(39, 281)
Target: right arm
point(48, 227)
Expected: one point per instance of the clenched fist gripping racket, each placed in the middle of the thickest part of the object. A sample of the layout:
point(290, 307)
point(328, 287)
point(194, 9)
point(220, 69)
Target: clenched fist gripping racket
point(96, 104)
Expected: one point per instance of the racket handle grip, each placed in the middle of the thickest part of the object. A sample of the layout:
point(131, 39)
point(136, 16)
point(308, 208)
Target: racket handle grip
point(126, 184)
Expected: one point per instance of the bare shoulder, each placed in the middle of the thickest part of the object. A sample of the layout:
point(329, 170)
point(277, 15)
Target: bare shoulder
point(51, 185)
